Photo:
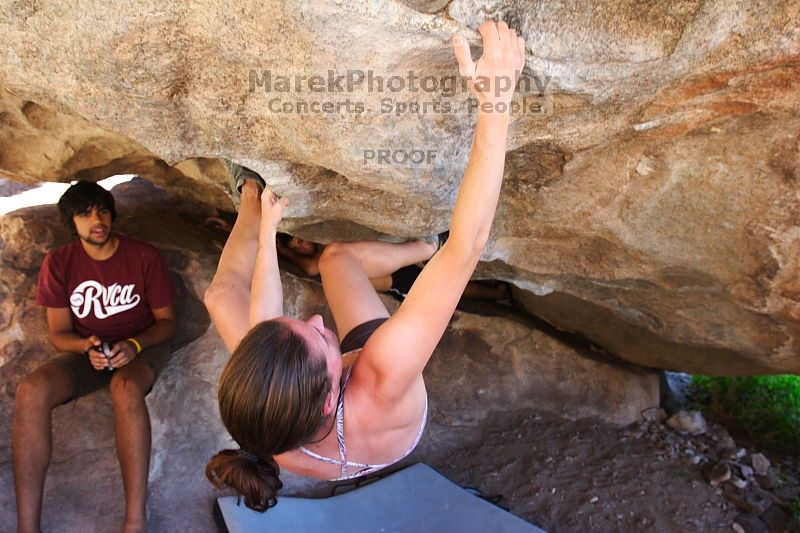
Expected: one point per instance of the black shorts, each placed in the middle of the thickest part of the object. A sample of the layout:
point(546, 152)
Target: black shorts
point(86, 379)
point(402, 280)
point(357, 338)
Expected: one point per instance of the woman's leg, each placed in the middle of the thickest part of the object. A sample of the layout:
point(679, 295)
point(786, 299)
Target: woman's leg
point(228, 296)
point(346, 269)
point(348, 289)
point(379, 258)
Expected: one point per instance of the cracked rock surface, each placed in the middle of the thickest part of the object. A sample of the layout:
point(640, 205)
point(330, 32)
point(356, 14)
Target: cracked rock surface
point(650, 201)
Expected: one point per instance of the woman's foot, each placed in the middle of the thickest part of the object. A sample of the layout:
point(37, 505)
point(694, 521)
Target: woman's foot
point(430, 246)
point(251, 188)
point(248, 175)
point(436, 241)
point(241, 176)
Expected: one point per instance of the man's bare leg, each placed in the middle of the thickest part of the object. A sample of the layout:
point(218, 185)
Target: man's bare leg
point(382, 284)
point(128, 388)
point(227, 298)
point(479, 290)
point(37, 395)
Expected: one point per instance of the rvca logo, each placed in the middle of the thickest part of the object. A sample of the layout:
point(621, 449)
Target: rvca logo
point(105, 301)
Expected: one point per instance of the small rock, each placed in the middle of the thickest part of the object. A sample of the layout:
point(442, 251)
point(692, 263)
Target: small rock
point(777, 520)
point(733, 453)
point(718, 473)
point(721, 436)
point(655, 414)
point(718, 433)
point(738, 482)
point(691, 422)
point(770, 481)
point(696, 459)
point(737, 528)
point(750, 500)
point(751, 523)
point(727, 453)
point(725, 443)
point(594, 499)
point(746, 471)
point(760, 464)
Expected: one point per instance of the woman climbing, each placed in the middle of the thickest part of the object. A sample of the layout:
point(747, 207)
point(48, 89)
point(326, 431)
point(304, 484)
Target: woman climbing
point(284, 395)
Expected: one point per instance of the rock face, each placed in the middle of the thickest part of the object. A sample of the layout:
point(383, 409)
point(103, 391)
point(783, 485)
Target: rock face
point(484, 366)
point(38, 143)
point(651, 196)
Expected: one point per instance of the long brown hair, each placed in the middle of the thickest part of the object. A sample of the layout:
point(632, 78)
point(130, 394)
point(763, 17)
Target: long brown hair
point(271, 396)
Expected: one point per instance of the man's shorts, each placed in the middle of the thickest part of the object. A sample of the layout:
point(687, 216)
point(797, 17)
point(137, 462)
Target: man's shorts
point(87, 380)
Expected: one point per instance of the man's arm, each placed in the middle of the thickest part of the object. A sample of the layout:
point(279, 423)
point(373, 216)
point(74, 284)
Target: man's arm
point(62, 334)
point(163, 329)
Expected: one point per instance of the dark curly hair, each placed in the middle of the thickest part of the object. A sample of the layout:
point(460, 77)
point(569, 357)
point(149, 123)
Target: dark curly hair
point(81, 197)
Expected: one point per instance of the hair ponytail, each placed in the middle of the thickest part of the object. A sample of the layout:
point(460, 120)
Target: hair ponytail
point(255, 480)
point(271, 398)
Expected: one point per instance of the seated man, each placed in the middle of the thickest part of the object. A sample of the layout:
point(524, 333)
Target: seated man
point(110, 309)
point(305, 256)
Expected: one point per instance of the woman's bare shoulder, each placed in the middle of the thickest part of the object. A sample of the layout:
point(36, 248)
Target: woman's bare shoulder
point(378, 410)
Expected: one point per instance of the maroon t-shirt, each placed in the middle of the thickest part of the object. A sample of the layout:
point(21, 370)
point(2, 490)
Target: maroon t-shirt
point(112, 298)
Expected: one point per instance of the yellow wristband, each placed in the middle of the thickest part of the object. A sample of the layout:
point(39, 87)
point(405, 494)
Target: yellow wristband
point(136, 343)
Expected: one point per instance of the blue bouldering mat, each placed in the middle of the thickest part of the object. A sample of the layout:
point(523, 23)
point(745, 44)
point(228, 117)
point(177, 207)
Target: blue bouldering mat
point(414, 499)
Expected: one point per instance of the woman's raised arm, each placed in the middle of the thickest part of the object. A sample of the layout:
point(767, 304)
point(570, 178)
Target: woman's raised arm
point(266, 292)
point(398, 351)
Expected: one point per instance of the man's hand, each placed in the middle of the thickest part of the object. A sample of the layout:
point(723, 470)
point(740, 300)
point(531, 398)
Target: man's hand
point(271, 209)
point(93, 348)
point(122, 353)
point(494, 76)
point(94, 340)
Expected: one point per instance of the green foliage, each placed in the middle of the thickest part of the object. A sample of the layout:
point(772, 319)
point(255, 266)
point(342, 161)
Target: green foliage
point(766, 407)
point(795, 511)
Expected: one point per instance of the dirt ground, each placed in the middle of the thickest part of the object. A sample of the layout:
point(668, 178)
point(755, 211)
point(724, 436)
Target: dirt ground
point(576, 476)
